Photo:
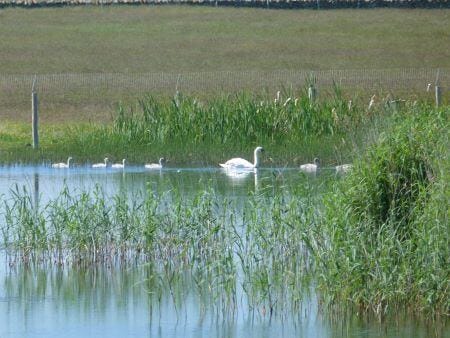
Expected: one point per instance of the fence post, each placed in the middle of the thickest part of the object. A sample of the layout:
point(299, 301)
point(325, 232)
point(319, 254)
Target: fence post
point(35, 115)
point(312, 93)
point(438, 94)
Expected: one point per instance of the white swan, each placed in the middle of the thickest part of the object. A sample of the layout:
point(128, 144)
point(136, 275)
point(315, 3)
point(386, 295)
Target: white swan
point(160, 165)
point(101, 165)
point(343, 168)
point(119, 165)
point(311, 167)
point(241, 164)
point(62, 164)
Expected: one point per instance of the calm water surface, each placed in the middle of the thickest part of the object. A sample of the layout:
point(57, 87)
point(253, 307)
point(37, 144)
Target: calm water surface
point(122, 301)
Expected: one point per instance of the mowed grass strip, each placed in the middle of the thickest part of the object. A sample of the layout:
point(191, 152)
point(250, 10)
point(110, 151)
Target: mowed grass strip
point(193, 39)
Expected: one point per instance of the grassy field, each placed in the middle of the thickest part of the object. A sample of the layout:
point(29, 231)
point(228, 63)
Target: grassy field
point(193, 39)
point(181, 39)
point(188, 40)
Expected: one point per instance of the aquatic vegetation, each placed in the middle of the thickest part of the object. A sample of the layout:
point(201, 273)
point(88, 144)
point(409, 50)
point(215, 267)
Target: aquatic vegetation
point(257, 245)
point(385, 234)
point(218, 127)
point(187, 129)
point(376, 238)
point(233, 119)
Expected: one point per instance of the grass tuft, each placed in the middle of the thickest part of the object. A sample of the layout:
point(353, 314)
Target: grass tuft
point(385, 231)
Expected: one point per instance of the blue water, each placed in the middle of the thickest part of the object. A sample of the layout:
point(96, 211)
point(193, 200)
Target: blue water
point(120, 301)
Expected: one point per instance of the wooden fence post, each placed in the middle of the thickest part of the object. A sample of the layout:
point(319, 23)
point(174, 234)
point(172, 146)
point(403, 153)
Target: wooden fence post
point(312, 93)
point(34, 116)
point(438, 95)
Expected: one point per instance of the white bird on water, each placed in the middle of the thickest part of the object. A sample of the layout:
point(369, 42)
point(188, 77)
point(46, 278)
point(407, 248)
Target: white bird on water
point(311, 167)
point(101, 165)
point(238, 163)
point(160, 165)
point(119, 165)
point(63, 165)
point(343, 168)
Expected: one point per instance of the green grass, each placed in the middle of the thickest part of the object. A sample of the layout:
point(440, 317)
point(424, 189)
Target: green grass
point(193, 39)
point(384, 239)
point(197, 132)
point(190, 40)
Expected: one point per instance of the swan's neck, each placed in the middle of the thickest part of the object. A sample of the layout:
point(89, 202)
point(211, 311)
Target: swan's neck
point(256, 163)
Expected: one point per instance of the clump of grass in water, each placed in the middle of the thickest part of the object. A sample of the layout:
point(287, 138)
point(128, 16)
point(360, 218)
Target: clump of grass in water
point(202, 235)
point(385, 232)
point(92, 227)
point(272, 249)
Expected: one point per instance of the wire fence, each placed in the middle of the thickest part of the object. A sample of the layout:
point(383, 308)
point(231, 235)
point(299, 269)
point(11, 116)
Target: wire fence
point(96, 92)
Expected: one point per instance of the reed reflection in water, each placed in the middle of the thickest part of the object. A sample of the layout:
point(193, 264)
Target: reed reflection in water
point(130, 299)
point(195, 256)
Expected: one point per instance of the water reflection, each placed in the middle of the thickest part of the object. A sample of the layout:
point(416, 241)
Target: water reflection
point(140, 300)
point(36, 190)
point(241, 177)
point(69, 301)
point(220, 282)
point(47, 183)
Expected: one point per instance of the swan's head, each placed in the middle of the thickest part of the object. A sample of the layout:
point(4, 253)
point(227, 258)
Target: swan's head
point(162, 161)
point(124, 161)
point(69, 159)
point(106, 160)
point(259, 150)
point(316, 161)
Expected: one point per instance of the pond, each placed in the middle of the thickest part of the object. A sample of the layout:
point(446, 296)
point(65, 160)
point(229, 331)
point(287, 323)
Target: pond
point(164, 295)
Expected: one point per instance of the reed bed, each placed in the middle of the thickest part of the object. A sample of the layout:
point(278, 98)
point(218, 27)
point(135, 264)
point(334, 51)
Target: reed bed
point(384, 239)
point(212, 243)
point(292, 126)
point(235, 119)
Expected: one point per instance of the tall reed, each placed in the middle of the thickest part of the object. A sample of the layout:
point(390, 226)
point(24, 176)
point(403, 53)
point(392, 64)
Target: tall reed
point(233, 119)
point(385, 234)
point(257, 245)
point(191, 130)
